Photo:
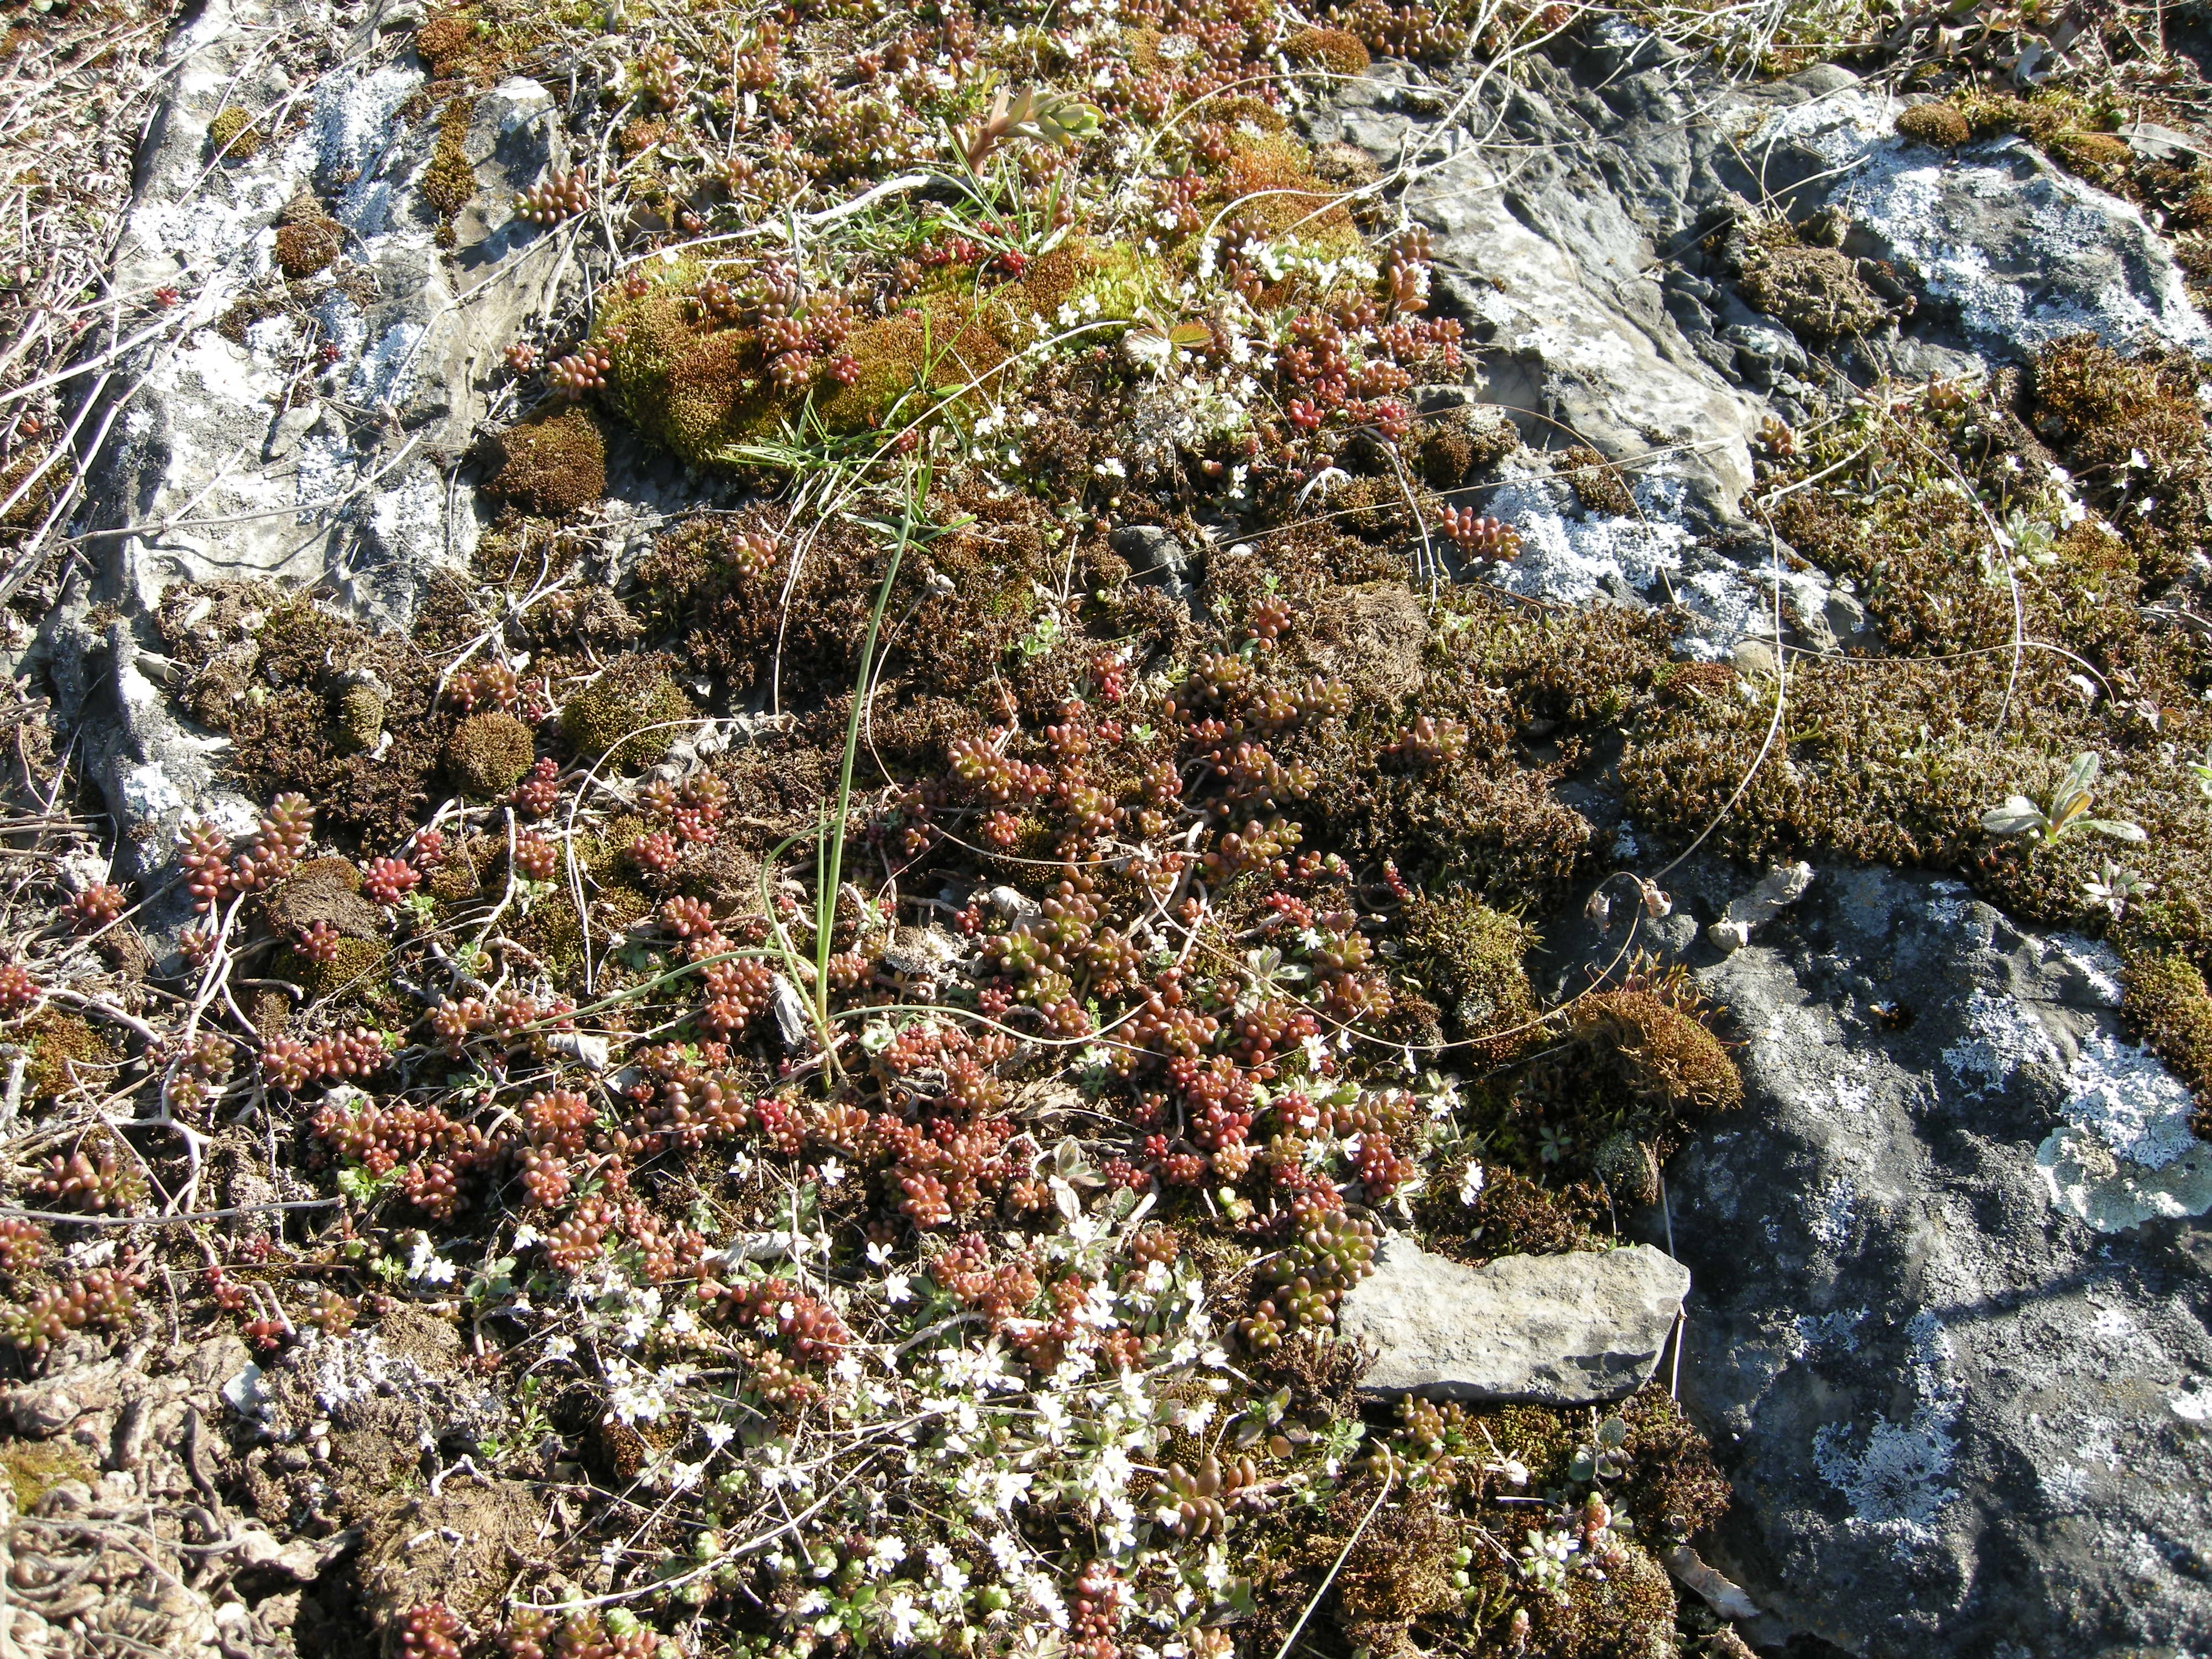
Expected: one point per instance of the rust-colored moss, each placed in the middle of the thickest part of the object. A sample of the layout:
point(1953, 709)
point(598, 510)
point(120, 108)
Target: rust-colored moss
point(1597, 483)
point(444, 40)
point(63, 1050)
point(1276, 172)
point(232, 136)
point(556, 465)
point(1668, 1053)
point(448, 181)
point(1939, 124)
point(1338, 50)
point(307, 238)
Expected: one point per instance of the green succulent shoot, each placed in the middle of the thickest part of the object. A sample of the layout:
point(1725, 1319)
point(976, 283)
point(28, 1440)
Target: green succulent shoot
point(1045, 118)
point(2067, 810)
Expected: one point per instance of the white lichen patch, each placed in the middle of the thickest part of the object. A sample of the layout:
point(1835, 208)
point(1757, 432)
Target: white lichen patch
point(2126, 1154)
point(1569, 557)
point(1896, 1477)
point(2001, 1037)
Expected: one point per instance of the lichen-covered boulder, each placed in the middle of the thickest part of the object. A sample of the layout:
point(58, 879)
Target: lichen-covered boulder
point(1947, 1326)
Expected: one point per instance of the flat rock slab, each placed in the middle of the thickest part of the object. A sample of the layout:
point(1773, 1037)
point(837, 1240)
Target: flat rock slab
point(1557, 1330)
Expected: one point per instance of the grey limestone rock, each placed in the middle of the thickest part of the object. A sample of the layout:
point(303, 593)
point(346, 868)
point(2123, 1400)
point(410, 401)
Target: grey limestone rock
point(303, 434)
point(1948, 1328)
point(1561, 1330)
point(1546, 261)
point(2010, 250)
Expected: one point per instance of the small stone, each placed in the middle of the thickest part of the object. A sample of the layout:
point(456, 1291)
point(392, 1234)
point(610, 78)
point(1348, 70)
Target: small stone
point(793, 1024)
point(1754, 658)
point(1557, 1330)
point(1155, 558)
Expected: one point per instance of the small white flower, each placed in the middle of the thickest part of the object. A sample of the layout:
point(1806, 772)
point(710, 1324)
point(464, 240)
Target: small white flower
point(897, 1288)
point(525, 1235)
point(905, 1618)
point(425, 1266)
point(832, 1172)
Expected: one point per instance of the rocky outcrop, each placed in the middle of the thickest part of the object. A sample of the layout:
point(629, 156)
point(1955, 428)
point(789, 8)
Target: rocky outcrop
point(1588, 248)
point(2003, 249)
point(1947, 1324)
point(1560, 1330)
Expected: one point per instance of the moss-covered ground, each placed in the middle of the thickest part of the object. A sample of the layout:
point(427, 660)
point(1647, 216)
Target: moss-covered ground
point(890, 1027)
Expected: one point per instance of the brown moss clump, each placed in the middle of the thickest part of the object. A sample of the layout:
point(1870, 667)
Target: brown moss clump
point(460, 876)
point(1816, 290)
point(1338, 50)
point(271, 668)
point(448, 181)
point(444, 40)
point(2170, 1007)
point(612, 718)
point(1673, 1486)
point(63, 1050)
point(232, 135)
point(1666, 1053)
point(1940, 124)
point(487, 753)
point(1629, 1613)
point(307, 238)
point(54, 474)
point(1887, 767)
point(1512, 1214)
point(1395, 1575)
point(555, 466)
point(1499, 829)
point(618, 907)
point(359, 717)
point(324, 890)
point(1447, 455)
point(2102, 409)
